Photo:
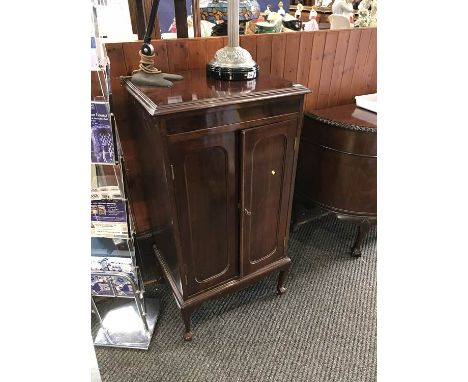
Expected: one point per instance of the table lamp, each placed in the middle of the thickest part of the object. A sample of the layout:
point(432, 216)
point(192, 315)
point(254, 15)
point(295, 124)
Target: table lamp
point(147, 74)
point(231, 63)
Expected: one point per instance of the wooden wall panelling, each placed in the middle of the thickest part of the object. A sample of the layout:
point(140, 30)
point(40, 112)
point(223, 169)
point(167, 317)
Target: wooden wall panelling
point(117, 68)
point(315, 69)
point(351, 54)
point(338, 65)
point(264, 53)
point(249, 42)
point(131, 55)
point(327, 69)
point(161, 59)
point(178, 55)
point(291, 56)
point(358, 75)
point(197, 53)
point(371, 85)
point(305, 53)
point(278, 49)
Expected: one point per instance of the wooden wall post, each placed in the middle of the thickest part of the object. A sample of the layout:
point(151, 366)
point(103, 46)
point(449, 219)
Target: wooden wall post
point(181, 18)
point(196, 18)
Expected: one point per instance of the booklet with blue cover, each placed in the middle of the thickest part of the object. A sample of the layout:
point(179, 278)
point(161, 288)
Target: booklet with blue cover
point(102, 141)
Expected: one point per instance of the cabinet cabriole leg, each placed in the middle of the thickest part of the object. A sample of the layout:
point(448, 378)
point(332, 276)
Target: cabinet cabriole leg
point(283, 274)
point(363, 230)
point(186, 317)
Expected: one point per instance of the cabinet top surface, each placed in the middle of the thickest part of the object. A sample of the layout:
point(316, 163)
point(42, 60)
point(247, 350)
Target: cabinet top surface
point(197, 91)
point(347, 115)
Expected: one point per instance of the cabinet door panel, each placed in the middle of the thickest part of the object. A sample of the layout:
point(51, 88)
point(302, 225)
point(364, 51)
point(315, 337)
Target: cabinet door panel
point(205, 180)
point(267, 162)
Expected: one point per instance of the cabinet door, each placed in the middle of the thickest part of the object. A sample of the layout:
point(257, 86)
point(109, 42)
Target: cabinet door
point(205, 183)
point(267, 164)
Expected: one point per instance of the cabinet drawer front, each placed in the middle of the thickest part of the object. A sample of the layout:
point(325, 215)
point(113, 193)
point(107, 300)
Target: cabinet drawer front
point(230, 115)
point(205, 183)
point(267, 162)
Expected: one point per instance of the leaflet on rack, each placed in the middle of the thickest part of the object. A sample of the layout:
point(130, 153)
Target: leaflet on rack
point(106, 285)
point(102, 141)
point(109, 218)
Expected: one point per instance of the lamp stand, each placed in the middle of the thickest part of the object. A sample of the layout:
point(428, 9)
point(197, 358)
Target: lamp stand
point(147, 74)
point(232, 63)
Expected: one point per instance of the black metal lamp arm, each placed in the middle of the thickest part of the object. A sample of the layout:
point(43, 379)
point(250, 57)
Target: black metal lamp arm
point(147, 49)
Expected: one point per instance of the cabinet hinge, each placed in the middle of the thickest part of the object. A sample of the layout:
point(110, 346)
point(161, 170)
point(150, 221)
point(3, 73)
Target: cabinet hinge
point(186, 280)
point(172, 172)
point(295, 143)
point(284, 243)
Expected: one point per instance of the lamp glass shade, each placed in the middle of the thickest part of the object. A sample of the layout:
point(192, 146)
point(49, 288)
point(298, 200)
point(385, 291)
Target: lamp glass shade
point(217, 10)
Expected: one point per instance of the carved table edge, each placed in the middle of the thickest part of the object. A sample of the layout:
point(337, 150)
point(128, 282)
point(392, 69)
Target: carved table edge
point(346, 126)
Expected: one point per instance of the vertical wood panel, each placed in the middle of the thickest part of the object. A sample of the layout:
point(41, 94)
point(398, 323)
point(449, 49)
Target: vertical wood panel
point(177, 51)
point(278, 48)
point(249, 42)
point(117, 59)
point(117, 68)
point(371, 80)
point(372, 86)
point(305, 52)
point(291, 55)
point(131, 54)
point(358, 74)
point(315, 69)
point(345, 87)
point(327, 69)
point(264, 53)
point(197, 53)
point(161, 59)
point(338, 65)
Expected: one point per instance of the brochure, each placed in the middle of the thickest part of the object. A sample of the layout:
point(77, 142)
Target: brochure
point(108, 218)
point(100, 285)
point(102, 142)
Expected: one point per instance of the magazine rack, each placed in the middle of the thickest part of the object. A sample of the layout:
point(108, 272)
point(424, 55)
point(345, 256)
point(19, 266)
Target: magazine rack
point(126, 316)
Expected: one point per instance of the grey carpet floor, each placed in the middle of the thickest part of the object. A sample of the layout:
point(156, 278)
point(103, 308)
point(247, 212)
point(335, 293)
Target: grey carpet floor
point(323, 329)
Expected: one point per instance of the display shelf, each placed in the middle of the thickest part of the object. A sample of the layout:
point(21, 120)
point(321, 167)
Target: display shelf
point(112, 247)
point(126, 317)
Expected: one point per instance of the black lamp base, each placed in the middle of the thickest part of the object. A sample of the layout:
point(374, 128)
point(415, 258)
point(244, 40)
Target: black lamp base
point(232, 74)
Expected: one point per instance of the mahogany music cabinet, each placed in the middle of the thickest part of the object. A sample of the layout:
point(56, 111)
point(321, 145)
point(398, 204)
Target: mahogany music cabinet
point(218, 161)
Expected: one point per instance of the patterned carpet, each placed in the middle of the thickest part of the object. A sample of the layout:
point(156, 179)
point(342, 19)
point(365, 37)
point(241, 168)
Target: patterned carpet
point(323, 329)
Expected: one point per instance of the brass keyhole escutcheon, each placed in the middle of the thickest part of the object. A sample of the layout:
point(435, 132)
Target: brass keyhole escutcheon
point(273, 172)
